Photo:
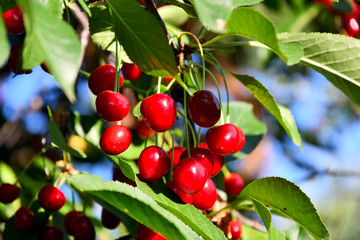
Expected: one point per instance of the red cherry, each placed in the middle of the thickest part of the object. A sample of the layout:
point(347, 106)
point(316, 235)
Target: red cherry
point(178, 150)
point(222, 139)
point(204, 108)
point(8, 193)
point(153, 163)
point(69, 218)
point(201, 155)
point(235, 229)
point(103, 78)
point(52, 233)
point(131, 71)
point(24, 219)
point(118, 175)
point(145, 233)
point(190, 176)
point(352, 26)
point(241, 140)
point(108, 219)
point(14, 21)
point(187, 198)
point(115, 139)
point(233, 184)
point(218, 160)
point(168, 80)
point(112, 106)
point(206, 197)
point(51, 198)
point(83, 229)
point(142, 130)
point(159, 111)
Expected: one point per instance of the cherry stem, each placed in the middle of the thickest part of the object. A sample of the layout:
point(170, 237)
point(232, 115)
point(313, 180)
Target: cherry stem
point(198, 137)
point(67, 12)
point(191, 127)
point(183, 85)
point(159, 85)
point(147, 137)
point(196, 83)
point(186, 126)
point(72, 197)
point(225, 171)
point(172, 155)
point(87, 74)
point(117, 71)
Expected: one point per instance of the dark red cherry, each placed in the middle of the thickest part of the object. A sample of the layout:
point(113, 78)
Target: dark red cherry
point(83, 229)
point(115, 139)
point(14, 21)
point(118, 175)
point(233, 184)
point(235, 229)
point(145, 233)
point(204, 108)
point(131, 71)
point(51, 198)
point(153, 163)
point(103, 78)
point(206, 197)
point(222, 139)
point(142, 130)
point(15, 60)
point(108, 219)
point(112, 106)
point(178, 150)
point(9, 192)
point(352, 26)
point(241, 140)
point(159, 111)
point(187, 198)
point(201, 155)
point(24, 219)
point(52, 233)
point(69, 218)
point(218, 160)
point(190, 176)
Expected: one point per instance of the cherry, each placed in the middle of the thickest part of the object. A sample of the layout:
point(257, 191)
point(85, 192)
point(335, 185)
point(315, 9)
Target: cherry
point(233, 184)
point(241, 140)
point(69, 218)
point(159, 111)
point(352, 26)
point(24, 219)
point(190, 176)
point(201, 155)
point(82, 228)
point(108, 219)
point(222, 139)
point(15, 60)
point(14, 21)
point(178, 150)
point(112, 106)
point(115, 139)
point(206, 197)
point(204, 108)
point(8, 193)
point(235, 228)
point(118, 175)
point(51, 198)
point(131, 71)
point(52, 233)
point(168, 80)
point(153, 163)
point(103, 78)
point(142, 130)
point(218, 160)
point(187, 198)
point(145, 233)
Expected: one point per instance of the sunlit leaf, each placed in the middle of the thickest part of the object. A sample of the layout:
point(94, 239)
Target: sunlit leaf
point(4, 46)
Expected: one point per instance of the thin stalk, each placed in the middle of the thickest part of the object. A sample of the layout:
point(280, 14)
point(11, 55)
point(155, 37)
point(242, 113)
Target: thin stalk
point(147, 137)
point(215, 39)
point(87, 74)
point(191, 128)
point(172, 155)
point(186, 126)
point(198, 137)
point(116, 86)
point(159, 85)
point(183, 85)
point(196, 83)
point(67, 12)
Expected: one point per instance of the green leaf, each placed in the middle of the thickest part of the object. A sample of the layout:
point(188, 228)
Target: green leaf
point(281, 113)
point(185, 212)
point(263, 212)
point(133, 202)
point(6, 5)
point(249, 23)
point(297, 233)
point(252, 234)
point(173, 15)
point(59, 50)
point(239, 3)
point(143, 38)
point(337, 57)
point(276, 234)
point(4, 46)
point(85, 7)
point(294, 52)
point(213, 14)
point(287, 198)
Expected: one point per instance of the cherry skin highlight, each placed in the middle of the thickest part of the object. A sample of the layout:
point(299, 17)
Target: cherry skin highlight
point(51, 198)
point(159, 111)
point(233, 184)
point(131, 71)
point(153, 163)
point(218, 160)
point(235, 229)
point(115, 139)
point(14, 21)
point(103, 78)
point(145, 233)
point(204, 108)
point(187, 198)
point(222, 139)
point(24, 219)
point(112, 106)
point(206, 197)
point(9, 192)
point(202, 156)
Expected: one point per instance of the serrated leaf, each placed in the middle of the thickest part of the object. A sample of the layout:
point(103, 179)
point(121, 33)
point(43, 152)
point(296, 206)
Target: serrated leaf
point(337, 57)
point(287, 198)
point(59, 50)
point(249, 23)
point(239, 3)
point(143, 38)
point(4, 46)
point(281, 113)
point(213, 14)
point(133, 202)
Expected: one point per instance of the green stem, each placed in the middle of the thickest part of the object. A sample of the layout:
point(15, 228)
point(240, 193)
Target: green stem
point(87, 74)
point(186, 126)
point(159, 85)
point(183, 85)
point(67, 12)
point(172, 155)
point(225, 171)
point(117, 84)
point(215, 39)
point(128, 84)
point(198, 137)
